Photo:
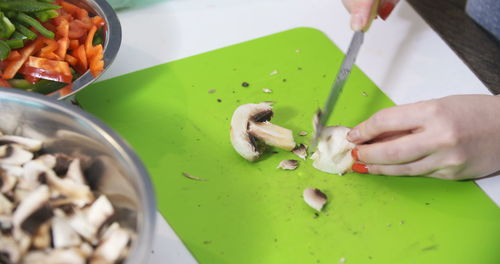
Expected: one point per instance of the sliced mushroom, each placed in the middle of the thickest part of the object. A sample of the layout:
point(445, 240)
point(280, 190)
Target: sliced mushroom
point(35, 173)
point(75, 172)
point(301, 151)
point(315, 198)
point(26, 143)
point(9, 250)
point(14, 155)
point(31, 212)
point(288, 164)
point(333, 153)
point(6, 206)
point(110, 248)
point(80, 194)
point(42, 237)
point(5, 225)
point(57, 256)
point(8, 178)
point(86, 250)
point(63, 234)
point(250, 122)
point(88, 221)
point(48, 160)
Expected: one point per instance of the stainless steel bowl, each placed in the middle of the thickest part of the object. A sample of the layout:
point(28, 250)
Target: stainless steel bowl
point(115, 169)
point(112, 41)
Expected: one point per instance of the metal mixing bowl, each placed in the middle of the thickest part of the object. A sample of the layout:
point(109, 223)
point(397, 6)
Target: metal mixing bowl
point(112, 40)
point(115, 169)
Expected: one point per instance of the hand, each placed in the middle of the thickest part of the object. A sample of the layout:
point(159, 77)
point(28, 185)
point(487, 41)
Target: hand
point(456, 137)
point(360, 11)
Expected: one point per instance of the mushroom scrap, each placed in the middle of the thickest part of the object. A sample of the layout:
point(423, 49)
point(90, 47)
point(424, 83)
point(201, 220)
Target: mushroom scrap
point(48, 212)
point(251, 131)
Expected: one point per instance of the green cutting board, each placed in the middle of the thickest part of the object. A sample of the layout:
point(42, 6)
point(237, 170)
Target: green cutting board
point(253, 212)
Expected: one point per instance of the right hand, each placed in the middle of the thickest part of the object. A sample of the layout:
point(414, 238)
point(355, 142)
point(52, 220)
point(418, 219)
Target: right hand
point(360, 11)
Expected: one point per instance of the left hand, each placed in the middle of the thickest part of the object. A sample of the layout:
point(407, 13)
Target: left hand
point(456, 137)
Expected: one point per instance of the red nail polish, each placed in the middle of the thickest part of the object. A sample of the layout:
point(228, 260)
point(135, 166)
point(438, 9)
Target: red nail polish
point(360, 167)
point(354, 154)
point(385, 10)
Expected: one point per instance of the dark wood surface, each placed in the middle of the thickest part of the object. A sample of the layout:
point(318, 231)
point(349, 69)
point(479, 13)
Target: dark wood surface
point(475, 46)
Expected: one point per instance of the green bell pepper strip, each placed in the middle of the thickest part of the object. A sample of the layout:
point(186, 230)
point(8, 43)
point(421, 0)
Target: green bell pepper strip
point(15, 43)
point(25, 19)
point(4, 50)
point(6, 26)
point(18, 35)
point(44, 16)
point(27, 6)
point(42, 86)
point(25, 31)
point(98, 37)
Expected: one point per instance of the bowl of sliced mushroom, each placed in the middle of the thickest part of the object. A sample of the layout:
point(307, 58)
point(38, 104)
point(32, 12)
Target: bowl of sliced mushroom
point(71, 190)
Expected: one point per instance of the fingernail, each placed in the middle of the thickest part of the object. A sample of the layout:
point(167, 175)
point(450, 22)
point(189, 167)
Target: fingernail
point(357, 21)
point(360, 168)
point(353, 135)
point(354, 154)
point(385, 10)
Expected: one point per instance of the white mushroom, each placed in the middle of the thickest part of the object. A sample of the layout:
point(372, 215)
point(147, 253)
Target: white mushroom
point(333, 153)
point(114, 241)
point(6, 206)
point(34, 174)
point(14, 155)
point(63, 234)
point(80, 194)
point(288, 164)
point(88, 221)
point(315, 198)
point(75, 172)
point(8, 177)
point(250, 122)
point(57, 256)
point(48, 160)
point(26, 143)
point(42, 238)
point(9, 250)
point(33, 201)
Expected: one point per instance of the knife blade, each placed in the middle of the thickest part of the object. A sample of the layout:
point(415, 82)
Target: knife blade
point(342, 75)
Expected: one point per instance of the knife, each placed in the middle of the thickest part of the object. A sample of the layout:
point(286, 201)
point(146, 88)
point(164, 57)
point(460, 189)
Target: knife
point(344, 71)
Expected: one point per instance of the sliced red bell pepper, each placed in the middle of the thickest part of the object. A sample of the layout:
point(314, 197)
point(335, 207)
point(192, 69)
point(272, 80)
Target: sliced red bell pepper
point(42, 68)
point(14, 66)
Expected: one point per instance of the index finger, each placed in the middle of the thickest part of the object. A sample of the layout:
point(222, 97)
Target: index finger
point(399, 118)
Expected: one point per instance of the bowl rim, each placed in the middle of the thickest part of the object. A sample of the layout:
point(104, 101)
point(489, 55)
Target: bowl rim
point(144, 241)
point(112, 43)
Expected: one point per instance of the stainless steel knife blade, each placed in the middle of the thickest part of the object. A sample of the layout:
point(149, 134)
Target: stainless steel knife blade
point(345, 69)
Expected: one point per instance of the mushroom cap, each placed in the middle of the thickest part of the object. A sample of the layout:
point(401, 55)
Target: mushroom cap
point(243, 142)
point(333, 153)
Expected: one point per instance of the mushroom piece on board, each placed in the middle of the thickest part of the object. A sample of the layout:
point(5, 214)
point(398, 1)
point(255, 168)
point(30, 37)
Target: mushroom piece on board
point(333, 153)
point(250, 124)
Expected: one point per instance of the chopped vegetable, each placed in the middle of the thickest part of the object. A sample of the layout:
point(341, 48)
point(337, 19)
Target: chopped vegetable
point(4, 50)
point(27, 6)
point(53, 70)
point(48, 42)
point(23, 18)
point(6, 26)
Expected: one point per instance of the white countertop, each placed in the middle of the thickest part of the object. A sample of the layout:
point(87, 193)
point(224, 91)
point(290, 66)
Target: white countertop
point(403, 56)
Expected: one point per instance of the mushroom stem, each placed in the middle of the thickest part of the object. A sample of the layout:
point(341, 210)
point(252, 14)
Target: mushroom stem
point(272, 135)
